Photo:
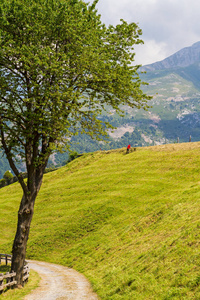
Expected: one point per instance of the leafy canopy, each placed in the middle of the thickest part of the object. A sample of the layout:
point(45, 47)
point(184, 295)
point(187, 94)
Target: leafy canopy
point(59, 67)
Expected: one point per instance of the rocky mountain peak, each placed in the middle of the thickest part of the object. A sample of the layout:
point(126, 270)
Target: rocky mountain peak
point(183, 58)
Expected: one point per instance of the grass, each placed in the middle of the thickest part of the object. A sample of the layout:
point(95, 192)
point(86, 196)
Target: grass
point(130, 223)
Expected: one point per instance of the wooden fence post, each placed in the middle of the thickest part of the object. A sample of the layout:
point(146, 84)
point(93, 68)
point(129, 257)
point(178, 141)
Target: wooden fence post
point(8, 280)
point(26, 274)
point(13, 279)
point(1, 283)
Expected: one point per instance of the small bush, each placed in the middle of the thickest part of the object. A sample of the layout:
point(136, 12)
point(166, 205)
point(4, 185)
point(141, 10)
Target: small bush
point(3, 182)
point(73, 155)
point(8, 175)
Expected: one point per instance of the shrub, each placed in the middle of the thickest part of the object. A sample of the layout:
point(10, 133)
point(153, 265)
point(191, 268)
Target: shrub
point(3, 182)
point(73, 155)
point(8, 175)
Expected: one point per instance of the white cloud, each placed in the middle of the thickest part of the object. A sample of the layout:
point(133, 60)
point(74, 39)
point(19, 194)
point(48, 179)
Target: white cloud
point(150, 51)
point(167, 25)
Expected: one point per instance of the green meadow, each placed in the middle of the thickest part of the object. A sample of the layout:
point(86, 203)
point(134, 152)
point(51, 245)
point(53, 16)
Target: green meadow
point(129, 222)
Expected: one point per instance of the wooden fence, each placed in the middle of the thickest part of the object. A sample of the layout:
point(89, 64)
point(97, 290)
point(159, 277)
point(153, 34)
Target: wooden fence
point(8, 280)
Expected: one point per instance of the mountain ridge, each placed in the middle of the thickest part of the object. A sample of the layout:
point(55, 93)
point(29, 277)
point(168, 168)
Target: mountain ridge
point(183, 58)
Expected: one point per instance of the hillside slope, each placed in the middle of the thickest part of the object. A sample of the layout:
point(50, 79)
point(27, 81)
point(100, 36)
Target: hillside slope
point(130, 223)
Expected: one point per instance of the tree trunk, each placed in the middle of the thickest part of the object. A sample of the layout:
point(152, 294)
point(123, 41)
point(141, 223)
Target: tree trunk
point(25, 215)
point(26, 209)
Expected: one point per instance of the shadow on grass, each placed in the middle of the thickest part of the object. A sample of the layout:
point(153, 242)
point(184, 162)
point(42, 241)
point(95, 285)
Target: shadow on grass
point(4, 268)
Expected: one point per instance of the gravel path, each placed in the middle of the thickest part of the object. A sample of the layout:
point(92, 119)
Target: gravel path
point(60, 283)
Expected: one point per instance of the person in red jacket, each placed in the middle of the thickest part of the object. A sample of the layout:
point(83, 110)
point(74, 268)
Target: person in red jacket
point(128, 148)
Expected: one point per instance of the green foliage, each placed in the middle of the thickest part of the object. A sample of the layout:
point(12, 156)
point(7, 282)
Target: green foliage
point(73, 155)
point(64, 66)
point(130, 223)
point(59, 68)
point(7, 179)
point(8, 175)
point(3, 182)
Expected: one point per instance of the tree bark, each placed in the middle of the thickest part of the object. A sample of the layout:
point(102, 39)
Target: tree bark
point(25, 215)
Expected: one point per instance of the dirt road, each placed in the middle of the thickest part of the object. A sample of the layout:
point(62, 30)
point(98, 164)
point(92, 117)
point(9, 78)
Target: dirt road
point(60, 283)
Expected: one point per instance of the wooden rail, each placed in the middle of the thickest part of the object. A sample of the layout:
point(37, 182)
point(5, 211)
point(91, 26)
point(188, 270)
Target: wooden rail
point(8, 280)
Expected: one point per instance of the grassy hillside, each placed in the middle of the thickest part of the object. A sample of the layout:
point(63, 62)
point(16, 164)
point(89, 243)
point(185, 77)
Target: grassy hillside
point(130, 223)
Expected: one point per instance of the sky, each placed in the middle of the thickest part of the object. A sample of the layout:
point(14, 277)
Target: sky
point(167, 25)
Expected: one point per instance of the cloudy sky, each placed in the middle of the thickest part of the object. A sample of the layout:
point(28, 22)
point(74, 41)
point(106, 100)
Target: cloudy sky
point(167, 25)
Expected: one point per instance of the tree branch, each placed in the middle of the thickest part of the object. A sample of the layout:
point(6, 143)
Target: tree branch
point(11, 162)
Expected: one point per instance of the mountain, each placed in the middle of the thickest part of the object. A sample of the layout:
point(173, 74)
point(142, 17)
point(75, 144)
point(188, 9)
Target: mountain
point(174, 84)
point(183, 58)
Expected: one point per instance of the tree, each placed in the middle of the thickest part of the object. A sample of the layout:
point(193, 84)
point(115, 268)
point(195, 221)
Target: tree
point(59, 68)
point(8, 175)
